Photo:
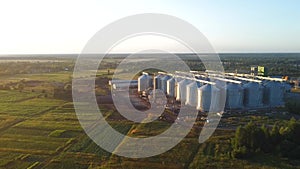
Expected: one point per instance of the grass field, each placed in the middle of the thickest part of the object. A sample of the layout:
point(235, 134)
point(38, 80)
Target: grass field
point(29, 107)
point(63, 76)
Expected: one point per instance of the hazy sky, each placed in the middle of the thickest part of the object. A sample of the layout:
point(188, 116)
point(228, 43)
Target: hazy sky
point(58, 26)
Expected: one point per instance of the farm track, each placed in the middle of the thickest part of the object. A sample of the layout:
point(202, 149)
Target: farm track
point(45, 111)
point(29, 98)
point(57, 153)
point(12, 124)
point(64, 148)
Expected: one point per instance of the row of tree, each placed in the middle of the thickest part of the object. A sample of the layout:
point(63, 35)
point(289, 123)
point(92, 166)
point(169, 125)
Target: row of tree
point(277, 63)
point(293, 106)
point(28, 67)
point(283, 140)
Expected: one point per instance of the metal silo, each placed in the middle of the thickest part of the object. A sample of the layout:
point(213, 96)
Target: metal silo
point(150, 81)
point(171, 87)
point(157, 81)
point(234, 96)
point(221, 85)
point(192, 93)
point(164, 83)
point(287, 87)
point(178, 79)
point(208, 96)
point(143, 82)
point(253, 95)
point(274, 93)
point(181, 90)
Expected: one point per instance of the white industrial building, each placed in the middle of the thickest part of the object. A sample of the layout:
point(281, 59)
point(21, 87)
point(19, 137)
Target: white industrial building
point(204, 90)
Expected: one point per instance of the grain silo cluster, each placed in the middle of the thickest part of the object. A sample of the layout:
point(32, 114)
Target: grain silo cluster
point(205, 90)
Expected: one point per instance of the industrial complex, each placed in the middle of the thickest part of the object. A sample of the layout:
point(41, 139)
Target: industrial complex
point(204, 90)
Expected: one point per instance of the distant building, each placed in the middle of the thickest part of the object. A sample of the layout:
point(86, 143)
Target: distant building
point(259, 71)
point(296, 82)
point(122, 84)
point(254, 71)
point(262, 71)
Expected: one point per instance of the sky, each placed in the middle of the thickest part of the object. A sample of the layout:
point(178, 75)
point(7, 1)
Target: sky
point(62, 26)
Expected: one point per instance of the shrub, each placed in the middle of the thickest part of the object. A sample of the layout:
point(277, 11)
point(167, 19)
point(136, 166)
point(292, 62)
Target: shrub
point(293, 106)
point(240, 152)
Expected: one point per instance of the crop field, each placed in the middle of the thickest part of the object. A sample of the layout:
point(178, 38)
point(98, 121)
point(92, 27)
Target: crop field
point(42, 132)
point(25, 135)
point(28, 107)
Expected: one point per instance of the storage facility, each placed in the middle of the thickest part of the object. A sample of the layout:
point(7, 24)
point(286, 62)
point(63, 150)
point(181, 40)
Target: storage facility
point(203, 90)
point(123, 84)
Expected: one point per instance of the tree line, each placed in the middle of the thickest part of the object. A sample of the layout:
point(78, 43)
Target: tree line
point(282, 140)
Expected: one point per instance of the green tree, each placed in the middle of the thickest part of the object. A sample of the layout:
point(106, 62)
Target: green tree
point(293, 106)
point(293, 133)
point(255, 137)
point(275, 136)
point(266, 146)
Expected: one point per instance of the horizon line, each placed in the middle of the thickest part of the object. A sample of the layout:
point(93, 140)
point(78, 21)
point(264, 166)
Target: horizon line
point(119, 53)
